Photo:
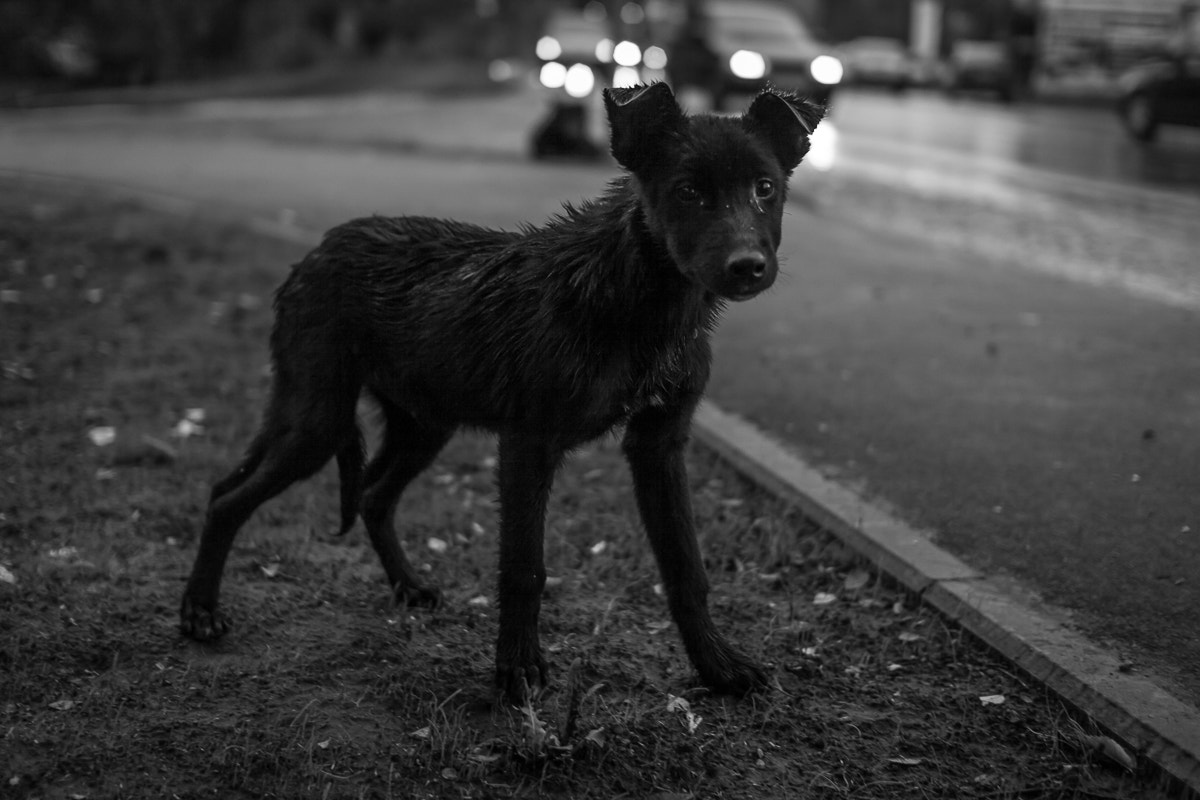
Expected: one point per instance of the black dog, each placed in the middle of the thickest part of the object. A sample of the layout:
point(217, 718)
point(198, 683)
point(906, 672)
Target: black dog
point(550, 337)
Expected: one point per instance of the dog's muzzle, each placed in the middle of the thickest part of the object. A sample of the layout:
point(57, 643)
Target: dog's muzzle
point(746, 274)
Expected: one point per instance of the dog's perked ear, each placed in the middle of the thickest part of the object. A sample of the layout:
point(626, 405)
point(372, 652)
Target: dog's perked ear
point(786, 122)
point(643, 120)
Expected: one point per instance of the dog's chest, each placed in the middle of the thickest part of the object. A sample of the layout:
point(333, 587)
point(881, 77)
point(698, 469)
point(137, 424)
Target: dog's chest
point(660, 374)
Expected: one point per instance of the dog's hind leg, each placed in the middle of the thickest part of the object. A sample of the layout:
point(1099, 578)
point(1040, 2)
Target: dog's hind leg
point(407, 449)
point(654, 446)
point(273, 465)
point(304, 427)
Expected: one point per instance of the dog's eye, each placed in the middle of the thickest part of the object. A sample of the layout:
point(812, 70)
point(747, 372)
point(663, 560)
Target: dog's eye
point(686, 193)
point(764, 188)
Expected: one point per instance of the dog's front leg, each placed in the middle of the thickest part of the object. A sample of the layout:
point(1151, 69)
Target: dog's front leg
point(527, 466)
point(654, 445)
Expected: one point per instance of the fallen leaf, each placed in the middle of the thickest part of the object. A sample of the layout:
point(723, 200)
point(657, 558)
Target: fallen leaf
point(1104, 745)
point(856, 580)
point(596, 737)
point(103, 435)
point(824, 599)
point(63, 705)
point(421, 733)
point(323, 745)
point(186, 428)
point(6, 576)
point(483, 758)
point(677, 703)
point(905, 762)
point(598, 548)
point(908, 636)
point(992, 699)
point(437, 545)
point(270, 570)
point(479, 601)
point(1108, 748)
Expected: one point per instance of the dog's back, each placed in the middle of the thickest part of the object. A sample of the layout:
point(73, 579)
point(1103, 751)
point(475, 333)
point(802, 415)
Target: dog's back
point(568, 326)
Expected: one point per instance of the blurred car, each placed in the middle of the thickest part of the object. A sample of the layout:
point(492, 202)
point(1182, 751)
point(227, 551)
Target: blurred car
point(573, 54)
point(877, 61)
point(738, 47)
point(1163, 91)
point(976, 65)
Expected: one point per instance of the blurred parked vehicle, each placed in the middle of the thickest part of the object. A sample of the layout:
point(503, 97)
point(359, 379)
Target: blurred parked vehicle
point(733, 48)
point(877, 61)
point(573, 51)
point(981, 66)
point(1163, 91)
point(573, 55)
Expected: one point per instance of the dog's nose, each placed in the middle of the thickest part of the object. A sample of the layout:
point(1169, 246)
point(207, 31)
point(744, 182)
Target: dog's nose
point(746, 265)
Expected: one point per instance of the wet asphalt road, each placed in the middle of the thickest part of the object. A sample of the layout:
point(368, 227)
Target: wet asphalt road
point(1005, 351)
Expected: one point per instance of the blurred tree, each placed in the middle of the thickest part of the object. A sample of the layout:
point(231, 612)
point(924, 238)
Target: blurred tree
point(138, 41)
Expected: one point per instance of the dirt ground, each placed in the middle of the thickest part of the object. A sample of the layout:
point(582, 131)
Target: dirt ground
point(133, 349)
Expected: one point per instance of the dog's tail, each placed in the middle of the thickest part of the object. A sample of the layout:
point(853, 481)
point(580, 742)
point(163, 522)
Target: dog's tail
point(350, 460)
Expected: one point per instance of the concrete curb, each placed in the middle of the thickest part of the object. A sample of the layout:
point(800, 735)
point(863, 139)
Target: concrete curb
point(1159, 727)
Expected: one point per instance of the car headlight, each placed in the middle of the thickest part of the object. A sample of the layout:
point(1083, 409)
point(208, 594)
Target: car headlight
point(627, 54)
point(826, 69)
point(748, 65)
point(654, 57)
point(548, 48)
point(553, 75)
point(604, 50)
point(579, 80)
point(625, 77)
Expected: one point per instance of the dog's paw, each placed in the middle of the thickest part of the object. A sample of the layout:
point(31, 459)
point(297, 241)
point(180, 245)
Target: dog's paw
point(732, 673)
point(520, 679)
point(201, 623)
point(417, 596)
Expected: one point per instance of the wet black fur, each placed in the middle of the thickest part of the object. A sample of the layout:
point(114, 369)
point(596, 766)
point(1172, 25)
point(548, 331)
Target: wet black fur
point(550, 336)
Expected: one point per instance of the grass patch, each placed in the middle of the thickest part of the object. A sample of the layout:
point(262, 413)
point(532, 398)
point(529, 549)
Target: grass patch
point(118, 322)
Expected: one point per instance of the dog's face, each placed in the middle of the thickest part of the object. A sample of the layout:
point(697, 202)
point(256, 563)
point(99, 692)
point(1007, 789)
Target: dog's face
point(713, 188)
